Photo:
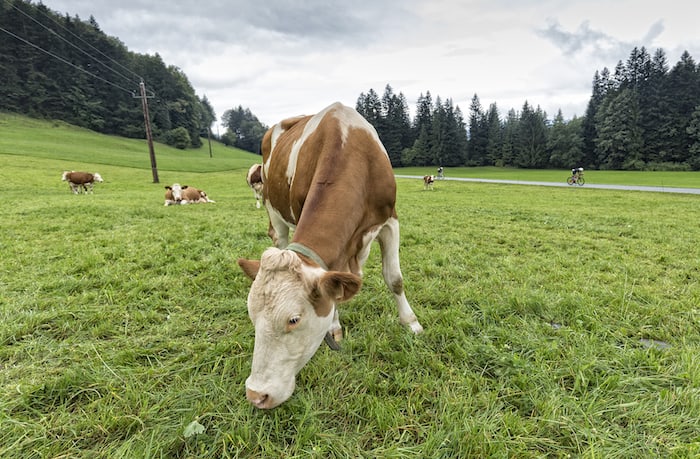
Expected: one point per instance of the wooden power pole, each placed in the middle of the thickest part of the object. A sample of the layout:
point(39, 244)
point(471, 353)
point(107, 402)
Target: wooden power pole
point(149, 135)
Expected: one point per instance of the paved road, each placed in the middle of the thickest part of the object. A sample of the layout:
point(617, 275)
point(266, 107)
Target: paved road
point(661, 189)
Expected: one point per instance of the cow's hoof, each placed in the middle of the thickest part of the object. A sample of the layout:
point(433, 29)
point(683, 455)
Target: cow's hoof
point(331, 342)
point(416, 327)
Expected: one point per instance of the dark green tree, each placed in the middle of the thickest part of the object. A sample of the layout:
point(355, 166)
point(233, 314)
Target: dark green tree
point(494, 136)
point(619, 140)
point(478, 135)
point(243, 128)
point(684, 96)
point(565, 143)
point(531, 146)
point(693, 131)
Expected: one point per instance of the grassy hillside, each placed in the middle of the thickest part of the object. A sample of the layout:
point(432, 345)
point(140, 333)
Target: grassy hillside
point(558, 322)
point(57, 140)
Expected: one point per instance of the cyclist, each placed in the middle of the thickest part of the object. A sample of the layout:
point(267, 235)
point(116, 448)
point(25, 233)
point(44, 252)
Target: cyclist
point(576, 172)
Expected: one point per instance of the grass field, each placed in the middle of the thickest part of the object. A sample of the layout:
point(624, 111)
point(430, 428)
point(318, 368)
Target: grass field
point(559, 322)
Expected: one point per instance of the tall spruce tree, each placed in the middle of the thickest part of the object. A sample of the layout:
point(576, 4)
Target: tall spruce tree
point(478, 134)
point(684, 92)
point(619, 140)
point(531, 146)
point(494, 136)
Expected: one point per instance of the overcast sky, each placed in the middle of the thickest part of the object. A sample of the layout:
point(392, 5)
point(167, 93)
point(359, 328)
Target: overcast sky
point(283, 58)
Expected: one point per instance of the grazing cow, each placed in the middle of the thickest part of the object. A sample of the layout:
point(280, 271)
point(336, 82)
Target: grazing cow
point(329, 178)
point(81, 180)
point(183, 194)
point(254, 180)
point(428, 181)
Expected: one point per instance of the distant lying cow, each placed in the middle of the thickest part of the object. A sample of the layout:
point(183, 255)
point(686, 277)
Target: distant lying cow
point(254, 180)
point(428, 181)
point(183, 194)
point(81, 180)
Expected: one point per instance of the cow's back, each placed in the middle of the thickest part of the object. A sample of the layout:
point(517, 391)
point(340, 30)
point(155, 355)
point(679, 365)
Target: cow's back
point(325, 163)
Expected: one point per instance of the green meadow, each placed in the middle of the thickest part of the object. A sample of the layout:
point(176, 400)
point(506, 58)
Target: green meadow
point(559, 322)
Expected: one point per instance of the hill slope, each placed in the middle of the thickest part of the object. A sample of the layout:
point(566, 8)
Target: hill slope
point(28, 137)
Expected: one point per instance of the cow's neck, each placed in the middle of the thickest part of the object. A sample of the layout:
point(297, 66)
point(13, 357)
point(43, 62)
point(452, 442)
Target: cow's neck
point(307, 252)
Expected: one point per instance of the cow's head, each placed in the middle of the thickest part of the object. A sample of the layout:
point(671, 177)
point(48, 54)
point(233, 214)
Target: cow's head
point(176, 190)
point(291, 305)
point(97, 177)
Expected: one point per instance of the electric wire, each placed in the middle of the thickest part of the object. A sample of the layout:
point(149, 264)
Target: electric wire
point(86, 53)
point(65, 61)
point(77, 47)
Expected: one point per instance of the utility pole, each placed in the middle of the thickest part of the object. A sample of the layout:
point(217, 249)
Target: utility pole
point(149, 135)
point(209, 138)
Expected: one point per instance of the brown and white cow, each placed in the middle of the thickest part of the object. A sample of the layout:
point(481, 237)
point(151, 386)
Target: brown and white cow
point(428, 181)
point(183, 194)
point(80, 181)
point(329, 178)
point(254, 181)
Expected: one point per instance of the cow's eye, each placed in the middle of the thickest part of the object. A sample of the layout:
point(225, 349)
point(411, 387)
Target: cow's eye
point(294, 321)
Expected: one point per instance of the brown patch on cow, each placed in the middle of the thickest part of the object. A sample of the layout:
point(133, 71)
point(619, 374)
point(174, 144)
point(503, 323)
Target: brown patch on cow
point(333, 287)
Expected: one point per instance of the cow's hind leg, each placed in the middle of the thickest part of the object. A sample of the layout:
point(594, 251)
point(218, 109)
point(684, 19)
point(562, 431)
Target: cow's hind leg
point(391, 269)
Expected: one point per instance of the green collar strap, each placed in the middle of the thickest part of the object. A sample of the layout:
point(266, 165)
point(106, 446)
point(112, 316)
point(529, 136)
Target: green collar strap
point(307, 252)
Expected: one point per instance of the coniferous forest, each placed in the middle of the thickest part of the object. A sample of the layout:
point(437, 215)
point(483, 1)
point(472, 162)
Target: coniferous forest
point(642, 115)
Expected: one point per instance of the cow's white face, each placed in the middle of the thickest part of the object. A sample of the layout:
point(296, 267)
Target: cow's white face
point(291, 305)
point(176, 189)
point(97, 177)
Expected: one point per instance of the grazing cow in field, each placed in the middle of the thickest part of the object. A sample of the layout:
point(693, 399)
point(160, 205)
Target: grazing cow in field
point(254, 180)
point(329, 178)
point(183, 194)
point(81, 180)
point(428, 181)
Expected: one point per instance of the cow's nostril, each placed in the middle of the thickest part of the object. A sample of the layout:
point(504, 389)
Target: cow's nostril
point(256, 398)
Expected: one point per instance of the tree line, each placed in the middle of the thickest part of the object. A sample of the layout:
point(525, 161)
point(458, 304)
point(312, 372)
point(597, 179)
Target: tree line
point(642, 115)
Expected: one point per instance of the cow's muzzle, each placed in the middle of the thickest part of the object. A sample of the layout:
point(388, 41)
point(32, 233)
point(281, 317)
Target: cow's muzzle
point(261, 401)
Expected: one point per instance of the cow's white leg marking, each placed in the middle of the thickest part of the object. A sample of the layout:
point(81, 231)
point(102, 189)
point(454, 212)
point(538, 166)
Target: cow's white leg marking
point(279, 226)
point(391, 269)
point(336, 329)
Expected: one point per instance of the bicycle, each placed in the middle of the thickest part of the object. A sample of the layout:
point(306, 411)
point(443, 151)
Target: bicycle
point(576, 179)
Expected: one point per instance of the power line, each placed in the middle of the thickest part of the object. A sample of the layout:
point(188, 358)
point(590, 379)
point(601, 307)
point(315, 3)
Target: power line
point(76, 46)
point(65, 61)
point(88, 44)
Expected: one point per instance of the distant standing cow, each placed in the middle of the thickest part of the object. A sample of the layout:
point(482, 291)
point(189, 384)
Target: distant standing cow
point(184, 194)
point(78, 180)
point(254, 180)
point(428, 181)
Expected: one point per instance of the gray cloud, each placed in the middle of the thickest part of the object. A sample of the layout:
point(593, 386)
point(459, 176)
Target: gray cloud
point(595, 42)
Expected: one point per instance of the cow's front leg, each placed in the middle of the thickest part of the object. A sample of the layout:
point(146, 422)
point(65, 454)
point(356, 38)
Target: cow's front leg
point(335, 332)
point(278, 229)
point(391, 270)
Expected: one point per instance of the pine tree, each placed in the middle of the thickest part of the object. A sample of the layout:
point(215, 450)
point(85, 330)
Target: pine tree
point(478, 134)
point(684, 92)
point(531, 146)
point(565, 142)
point(693, 131)
point(494, 136)
point(619, 140)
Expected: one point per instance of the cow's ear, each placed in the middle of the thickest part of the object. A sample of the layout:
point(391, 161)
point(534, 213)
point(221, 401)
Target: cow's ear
point(249, 267)
point(339, 286)
point(184, 187)
point(168, 188)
